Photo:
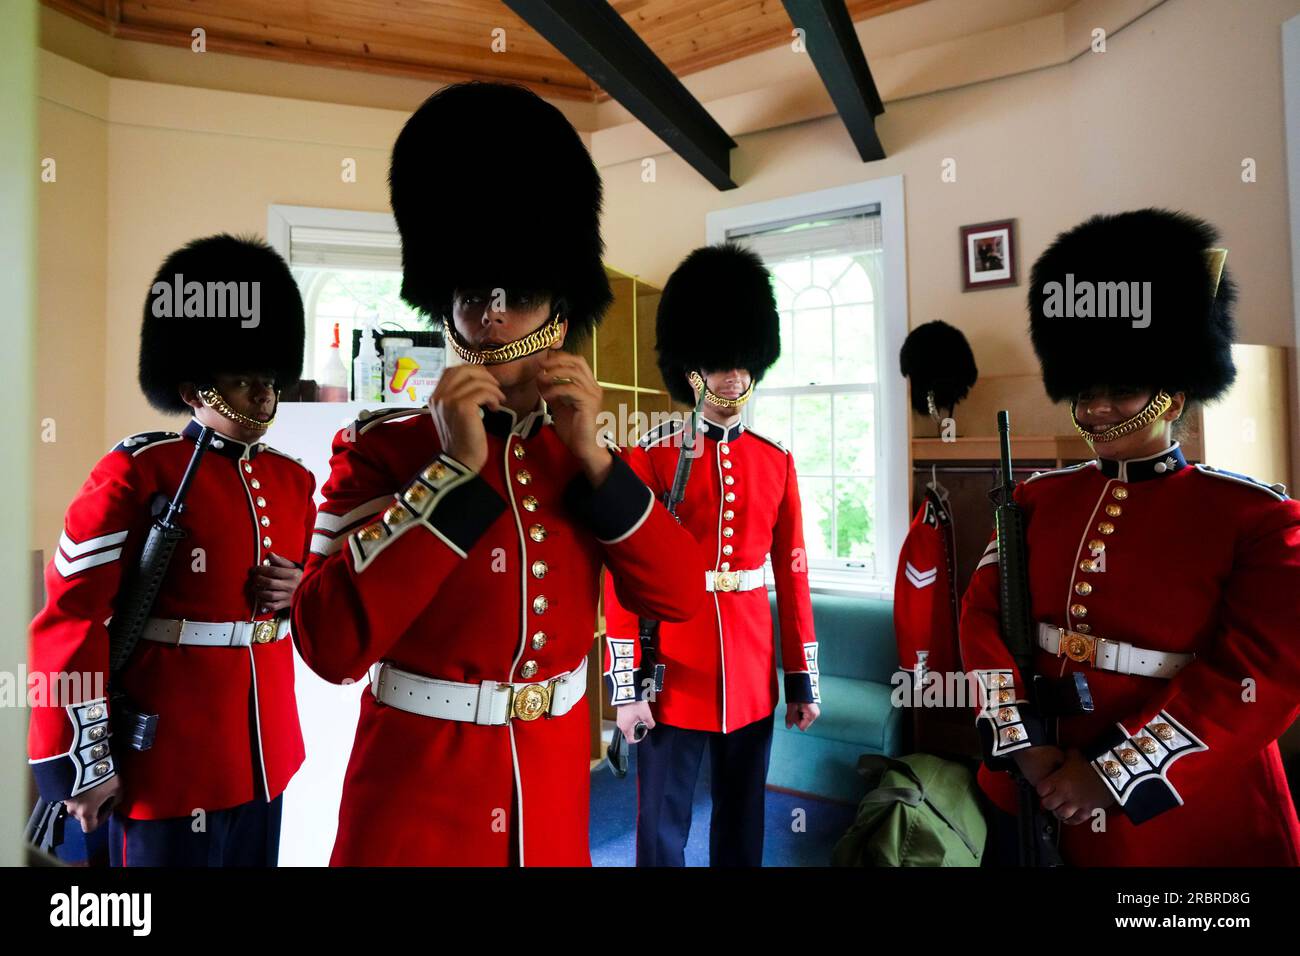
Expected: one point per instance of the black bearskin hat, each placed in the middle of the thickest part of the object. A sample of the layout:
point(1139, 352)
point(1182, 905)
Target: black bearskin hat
point(1184, 341)
point(717, 312)
point(220, 304)
point(492, 188)
point(936, 357)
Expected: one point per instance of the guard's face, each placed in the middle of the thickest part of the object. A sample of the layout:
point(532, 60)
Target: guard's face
point(248, 393)
point(486, 319)
point(1098, 409)
point(728, 383)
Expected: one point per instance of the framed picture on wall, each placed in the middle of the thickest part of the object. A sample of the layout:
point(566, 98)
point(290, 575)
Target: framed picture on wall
point(988, 255)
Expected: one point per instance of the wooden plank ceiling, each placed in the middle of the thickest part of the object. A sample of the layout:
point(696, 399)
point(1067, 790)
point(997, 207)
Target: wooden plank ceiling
point(447, 40)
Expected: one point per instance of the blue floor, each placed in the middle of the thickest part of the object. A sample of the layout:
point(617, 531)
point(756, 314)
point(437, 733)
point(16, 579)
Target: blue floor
point(613, 823)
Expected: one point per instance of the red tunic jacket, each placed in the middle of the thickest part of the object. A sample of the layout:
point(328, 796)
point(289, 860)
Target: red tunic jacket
point(741, 503)
point(227, 718)
point(1167, 557)
point(498, 570)
point(925, 603)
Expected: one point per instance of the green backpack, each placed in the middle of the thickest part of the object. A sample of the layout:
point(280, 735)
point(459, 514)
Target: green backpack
point(921, 810)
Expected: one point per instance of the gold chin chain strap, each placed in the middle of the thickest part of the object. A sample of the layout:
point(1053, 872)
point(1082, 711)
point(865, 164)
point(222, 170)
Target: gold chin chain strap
point(537, 341)
point(697, 383)
point(1159, 404)
point(935, 416)
point(217, 402)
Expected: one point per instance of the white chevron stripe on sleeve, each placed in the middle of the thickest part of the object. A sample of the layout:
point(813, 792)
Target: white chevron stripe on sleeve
point(920, 579)
point(333, 524)
point(69, 568)
point(75, 549)
point(323, 544)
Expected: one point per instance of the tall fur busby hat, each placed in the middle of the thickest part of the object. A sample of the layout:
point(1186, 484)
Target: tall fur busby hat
point(717, 312)
point(220, 304)
point(1179, 339)
point(936, 357)
point(493, 188)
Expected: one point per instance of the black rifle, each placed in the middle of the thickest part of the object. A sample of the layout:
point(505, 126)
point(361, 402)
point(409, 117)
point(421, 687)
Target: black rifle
point(45, 827)
point(1039, 830)
point(648, 627)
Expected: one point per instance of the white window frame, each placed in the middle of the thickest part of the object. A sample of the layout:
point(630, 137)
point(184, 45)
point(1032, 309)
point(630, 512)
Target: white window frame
point(891, 318)
point(280, 220)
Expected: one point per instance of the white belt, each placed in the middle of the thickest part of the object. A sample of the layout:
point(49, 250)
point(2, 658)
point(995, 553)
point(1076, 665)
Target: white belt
point(487, 703)
point(214, 634)
point(733, 580)
point(1117, 656)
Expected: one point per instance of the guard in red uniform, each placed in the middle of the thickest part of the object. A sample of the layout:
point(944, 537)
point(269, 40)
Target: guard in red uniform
point(458, 551)
point(1174, 586)
point(212, 663)
point(741, 504)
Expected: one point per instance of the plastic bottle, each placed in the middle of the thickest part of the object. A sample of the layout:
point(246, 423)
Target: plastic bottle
point(368, 369)
point(334, 377)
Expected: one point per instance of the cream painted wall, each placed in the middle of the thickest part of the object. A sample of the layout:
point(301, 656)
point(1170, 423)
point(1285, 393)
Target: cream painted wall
point(72, 256)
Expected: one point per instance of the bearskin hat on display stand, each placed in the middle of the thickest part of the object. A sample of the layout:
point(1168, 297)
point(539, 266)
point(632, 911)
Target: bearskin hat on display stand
point(717, 312)
point(1176, 332)
point(493, 188)
point(938, 362)
point(220, 304)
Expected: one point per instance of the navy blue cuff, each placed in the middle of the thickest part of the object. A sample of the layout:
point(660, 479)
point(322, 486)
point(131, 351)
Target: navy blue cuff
point(1000, 739)
point(1134, 767)
point(55, 778)
point(465, 512)
point(615, 509)
point(621, 678)
point(90, 761)
point(799, 689)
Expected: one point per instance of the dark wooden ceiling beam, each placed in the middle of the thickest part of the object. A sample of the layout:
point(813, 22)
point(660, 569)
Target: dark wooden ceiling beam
point(598, 41)
point(833, 45)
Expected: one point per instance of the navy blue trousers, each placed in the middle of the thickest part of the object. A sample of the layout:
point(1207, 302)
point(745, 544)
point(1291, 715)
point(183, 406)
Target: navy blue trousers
point(667, 769)
point(246, 835)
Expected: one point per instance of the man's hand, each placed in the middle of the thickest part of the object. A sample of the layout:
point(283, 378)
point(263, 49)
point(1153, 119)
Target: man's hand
point(454, 405)
point(92, 808)
point(1074, 790)
point(573, 397)
point(801, 715)
point(627, 716)
point(1037, 762)
point(273, 584)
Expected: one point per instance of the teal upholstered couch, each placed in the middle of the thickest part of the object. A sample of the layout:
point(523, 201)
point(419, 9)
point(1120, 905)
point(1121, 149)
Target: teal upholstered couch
point(857, 657)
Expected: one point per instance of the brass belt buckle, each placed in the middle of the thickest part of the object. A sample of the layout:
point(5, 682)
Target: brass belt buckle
point(264, 632)
point(531, 702)
point(726, 580)
point(1077, 647)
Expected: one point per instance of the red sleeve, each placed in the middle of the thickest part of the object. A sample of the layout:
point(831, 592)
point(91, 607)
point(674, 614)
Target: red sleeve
point(655, 563)
point(1234, 699)
point(654, 567)
point(793, 599)
point(619, 621)
point(68, 652)
point(309, 518)
point(357, 595)
point(1006, 720)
